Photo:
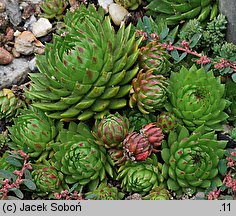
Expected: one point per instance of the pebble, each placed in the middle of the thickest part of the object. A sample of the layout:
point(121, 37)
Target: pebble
point(41, 27)
point(13, 11)
point(5, 57)
point(117, 13)
point(17, 33)
point(32, 65)
point(26, 43)
point(14, 73)
point(134, 196)
point(29, 22)
point(2, 6)
point(105, 3)
point(4, 22)
point(15, 53)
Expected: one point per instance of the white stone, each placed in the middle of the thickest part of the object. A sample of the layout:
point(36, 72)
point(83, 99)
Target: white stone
point(17, 33)
point(41, 27)
point(104, 4)
point(117, 13)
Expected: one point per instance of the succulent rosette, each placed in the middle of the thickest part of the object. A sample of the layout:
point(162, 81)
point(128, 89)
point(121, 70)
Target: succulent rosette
point(34, 131)
point(79, 158)
point(53, 8)
point(153, 56)
point(158, 193)
point(137, 119)
point(197, 98)
point(111, 130)
point(129, 4)
point(191, 160)
point(104, 192)
point(166, 121)
point(88, 71)
point(137, 147)
point(149, 92)
point(47, 179)
point(9, 104)
point(154, 135)
point(141, 177)
point(117, 156)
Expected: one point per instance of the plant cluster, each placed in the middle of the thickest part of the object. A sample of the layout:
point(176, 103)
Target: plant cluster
point(113, 112)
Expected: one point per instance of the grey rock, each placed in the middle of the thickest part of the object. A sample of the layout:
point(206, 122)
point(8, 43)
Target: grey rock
point(32, 65)
point(4, 21)
point(29, 22)
point(13, 11)
point(227, 7)
point(14, 73)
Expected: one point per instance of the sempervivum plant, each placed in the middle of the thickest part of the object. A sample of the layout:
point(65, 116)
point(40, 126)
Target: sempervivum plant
point(54, 8)
point(153, 56)
point(111, 130)
point(158, 193)
point(166, 121)
point(88, 71)
point(154, 135)
point(191, 160)
point(137, 119)
point(137, 147)
point(79, 158)
point(129, 4)
point(47, 179)
point(148, 92)
point(33, 131)
point(141, 177)
point(104, 192)
point(197, 98)
point(9, 104)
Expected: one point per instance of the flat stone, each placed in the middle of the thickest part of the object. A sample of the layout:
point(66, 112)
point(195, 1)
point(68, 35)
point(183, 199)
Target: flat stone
point(26, 43)
point(41, 27)
point(14, 73)
point(32, 65)
point(5, 57)
point(13, 11)
point(227, 7)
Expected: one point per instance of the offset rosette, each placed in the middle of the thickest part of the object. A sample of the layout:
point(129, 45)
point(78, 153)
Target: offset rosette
point(166, 121)
point(158, 193)
point(149, 92)
point(9, 104)
point(137, 147)
point(129, 4)
point(141, 177)
point(191, 160)
point(104, 192)
point(153, 56)
point(47, 179)
point(111, 130)
point(87, 71)
point(197, 98)
point(79, 158)
point(137, 119)
point(34, 131)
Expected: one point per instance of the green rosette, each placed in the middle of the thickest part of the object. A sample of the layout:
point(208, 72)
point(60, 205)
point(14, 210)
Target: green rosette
point(104, 192)
point(197, 98)
point(79, 158)
point(47, 179)
point(191, 160)
point(141, 177)
point(33, 131)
